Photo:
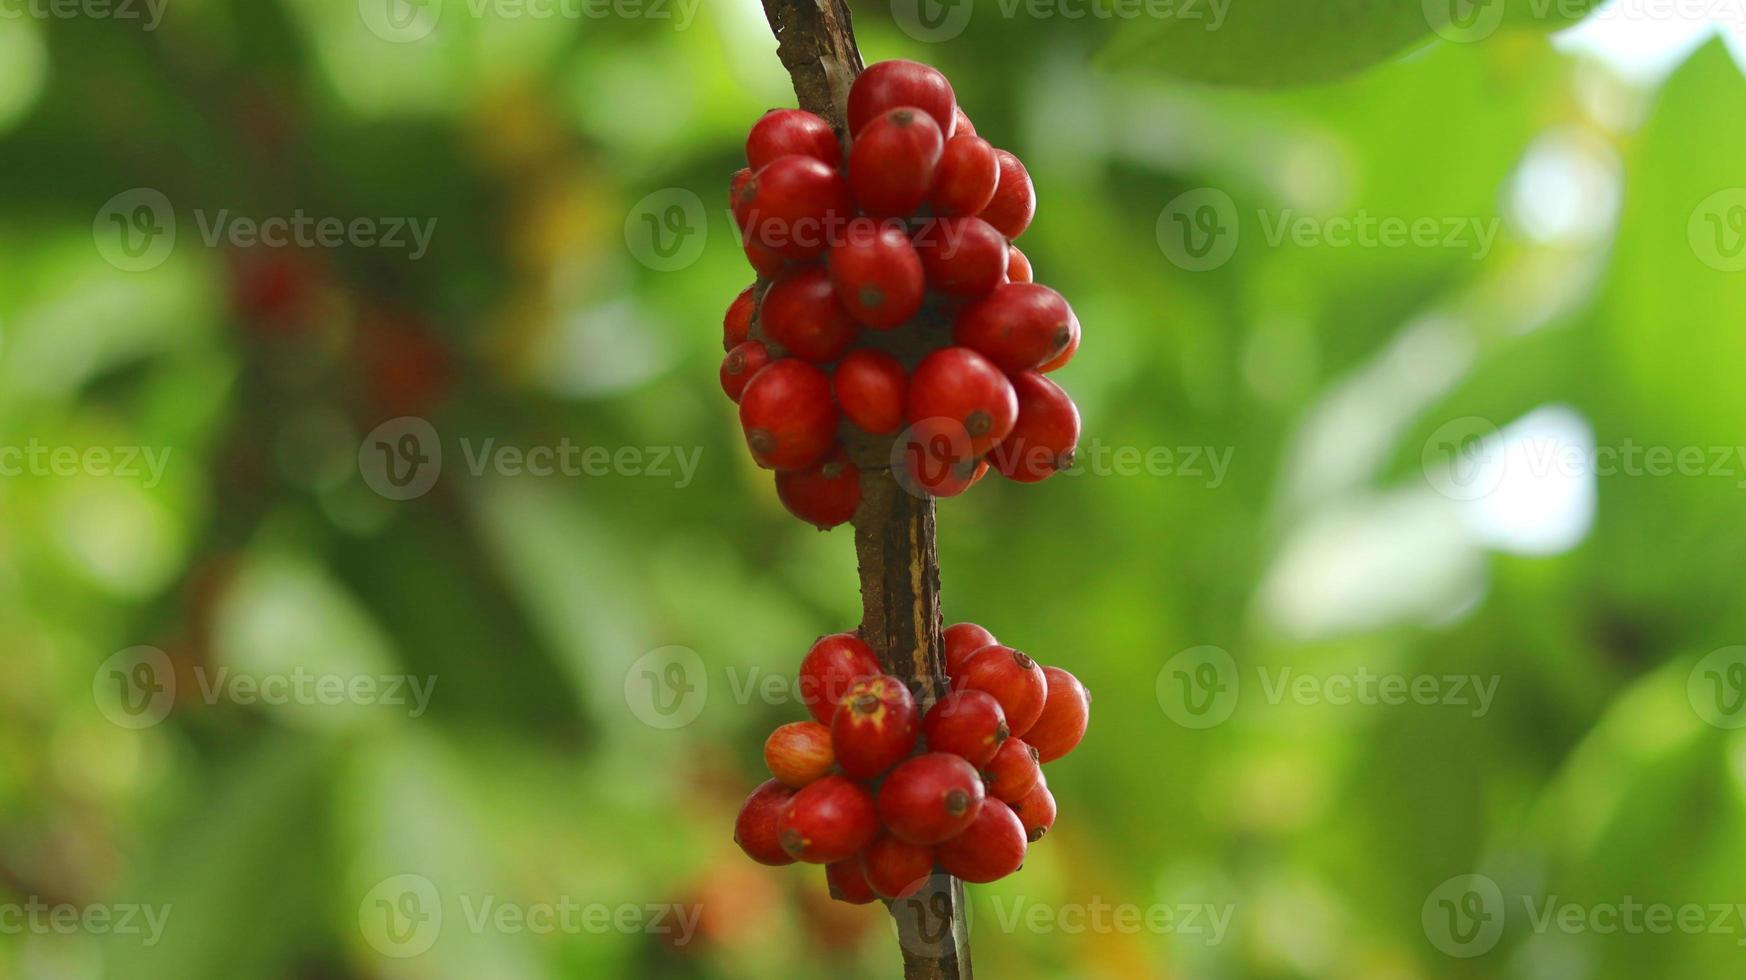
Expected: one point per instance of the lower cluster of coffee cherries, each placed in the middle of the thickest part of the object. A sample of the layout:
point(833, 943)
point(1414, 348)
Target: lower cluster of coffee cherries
point(891, 303)
point(884, 795)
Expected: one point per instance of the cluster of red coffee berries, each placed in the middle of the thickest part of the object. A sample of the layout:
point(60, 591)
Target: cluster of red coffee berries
point(883, 794)
point(891, 303)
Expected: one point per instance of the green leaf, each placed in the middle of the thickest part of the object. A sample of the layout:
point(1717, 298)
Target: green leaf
point(1677, 285)
point(1286, 42)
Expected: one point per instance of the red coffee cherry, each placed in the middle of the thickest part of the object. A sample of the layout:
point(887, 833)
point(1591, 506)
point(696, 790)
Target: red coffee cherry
point(802, 315)
point(799, 753)
point(755, 828)
point(1013, 772)
point(957, 393)
point(877, 274)
point(1036, 811)
point(741, 365)
point(961, 256)
point(737, 183)
point(830, 820)
point(830, 668)
point(1019, 326)
point(825, 495)
point(930, 798)
point(848, 882)
point(925, 474)
point(1066, 715)
point(970, 724)
point(870, 387)
point(990, 849)
point(1043, 440)
point(875, 727)
point(788, 416)
point(895, 868)
point(1060, 360)
point(1013, 678)
point(269, 288)
point(966, 177)
point(1015, 199)
point(794, 206)
point(965, 127)
point(784, 131)
point(893, 160)
point(736, 327)
point(890, 84)
point(962, 640)
point(1018, 266)
point(766, 262)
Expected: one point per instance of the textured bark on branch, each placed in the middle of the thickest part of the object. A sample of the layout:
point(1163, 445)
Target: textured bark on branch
point(894, 530)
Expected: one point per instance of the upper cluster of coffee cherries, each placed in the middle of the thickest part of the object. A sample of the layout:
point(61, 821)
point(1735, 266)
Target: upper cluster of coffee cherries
point(884, 796)
point(891, 303)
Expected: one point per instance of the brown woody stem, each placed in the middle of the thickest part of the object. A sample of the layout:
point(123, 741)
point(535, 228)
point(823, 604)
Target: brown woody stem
point(894, 530)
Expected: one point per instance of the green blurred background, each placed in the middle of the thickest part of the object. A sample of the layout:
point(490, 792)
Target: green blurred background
point(1503, 447)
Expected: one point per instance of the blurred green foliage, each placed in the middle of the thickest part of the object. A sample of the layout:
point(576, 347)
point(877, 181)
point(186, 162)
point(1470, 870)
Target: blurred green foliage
point(1268, 472)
